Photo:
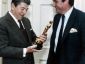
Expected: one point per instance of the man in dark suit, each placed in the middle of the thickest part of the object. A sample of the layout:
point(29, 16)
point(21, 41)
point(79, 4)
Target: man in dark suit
point(16, 38)
point(67, 46)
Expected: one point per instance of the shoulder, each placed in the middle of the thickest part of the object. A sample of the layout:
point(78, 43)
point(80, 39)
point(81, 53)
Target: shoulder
point(3, 21)
point(79, 13)
point(26, 20)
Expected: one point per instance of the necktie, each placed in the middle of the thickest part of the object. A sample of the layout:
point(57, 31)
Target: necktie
point(24, 32)
point(60, 35)
point(61, 30)
point(21, 26)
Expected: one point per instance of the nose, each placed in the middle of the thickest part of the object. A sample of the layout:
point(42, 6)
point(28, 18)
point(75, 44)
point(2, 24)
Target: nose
point(24, 11)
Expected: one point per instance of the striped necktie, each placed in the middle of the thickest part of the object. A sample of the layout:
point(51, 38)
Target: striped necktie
point(21, 26)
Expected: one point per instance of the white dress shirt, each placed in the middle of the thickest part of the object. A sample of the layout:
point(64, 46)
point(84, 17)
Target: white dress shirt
point(24, 49)
point(67, 15)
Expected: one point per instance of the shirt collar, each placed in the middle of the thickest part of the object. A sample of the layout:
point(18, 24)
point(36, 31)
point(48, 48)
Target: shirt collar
point(14, 18)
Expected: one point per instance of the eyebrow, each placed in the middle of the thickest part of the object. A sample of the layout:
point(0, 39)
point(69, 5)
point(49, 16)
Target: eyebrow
point(55, 1)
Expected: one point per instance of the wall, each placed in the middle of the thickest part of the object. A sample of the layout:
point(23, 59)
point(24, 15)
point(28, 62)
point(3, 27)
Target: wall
point(79, 4)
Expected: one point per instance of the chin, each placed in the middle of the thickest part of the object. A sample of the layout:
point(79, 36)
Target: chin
point(20, 18)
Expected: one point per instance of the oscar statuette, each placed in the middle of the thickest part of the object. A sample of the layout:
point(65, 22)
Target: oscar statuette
point(38, 41)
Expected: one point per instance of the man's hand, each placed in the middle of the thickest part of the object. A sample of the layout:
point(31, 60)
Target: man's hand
point(42, 38)
point(31, 49)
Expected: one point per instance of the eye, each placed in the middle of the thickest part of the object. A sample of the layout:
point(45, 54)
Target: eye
point(22, 8)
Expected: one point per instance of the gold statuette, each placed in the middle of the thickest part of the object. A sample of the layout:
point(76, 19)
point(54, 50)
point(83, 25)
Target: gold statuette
point(38, 41)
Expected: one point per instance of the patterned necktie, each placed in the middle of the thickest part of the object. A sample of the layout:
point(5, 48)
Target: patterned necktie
point(24, 32)
point(21, 26)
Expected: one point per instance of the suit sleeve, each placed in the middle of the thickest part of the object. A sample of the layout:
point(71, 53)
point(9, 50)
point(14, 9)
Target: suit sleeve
point(5, 49)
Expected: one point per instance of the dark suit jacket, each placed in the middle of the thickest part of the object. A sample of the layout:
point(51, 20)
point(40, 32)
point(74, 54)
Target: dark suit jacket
point(12, 41)
point(72, 48)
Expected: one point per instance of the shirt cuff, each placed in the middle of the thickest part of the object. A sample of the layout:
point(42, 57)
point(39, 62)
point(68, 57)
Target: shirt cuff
point(24, 52)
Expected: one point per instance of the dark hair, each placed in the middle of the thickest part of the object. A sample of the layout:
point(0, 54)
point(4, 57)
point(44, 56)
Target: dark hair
point(71, 2)
point(16, 2)
point(63, 0)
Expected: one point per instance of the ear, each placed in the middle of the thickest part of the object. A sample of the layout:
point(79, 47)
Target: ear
point(12, 6)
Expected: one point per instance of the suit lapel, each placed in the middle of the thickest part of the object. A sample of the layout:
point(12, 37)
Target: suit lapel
point(70, 22)
point(55, 25)
point(27, 27)
point(14, 27)
point(56, 21)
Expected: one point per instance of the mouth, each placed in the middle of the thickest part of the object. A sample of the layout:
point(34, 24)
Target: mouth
point(21, 16)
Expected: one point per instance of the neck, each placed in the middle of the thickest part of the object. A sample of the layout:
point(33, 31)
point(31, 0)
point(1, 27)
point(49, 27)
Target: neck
point(14, 15)
point(65, 9)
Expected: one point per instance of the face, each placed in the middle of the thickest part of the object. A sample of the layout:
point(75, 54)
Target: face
point(20, 10)
point(60, 6)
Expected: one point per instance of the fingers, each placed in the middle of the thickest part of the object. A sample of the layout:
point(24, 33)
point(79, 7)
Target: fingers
point(31, 49)
point(33, 46)
point(43, 38)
